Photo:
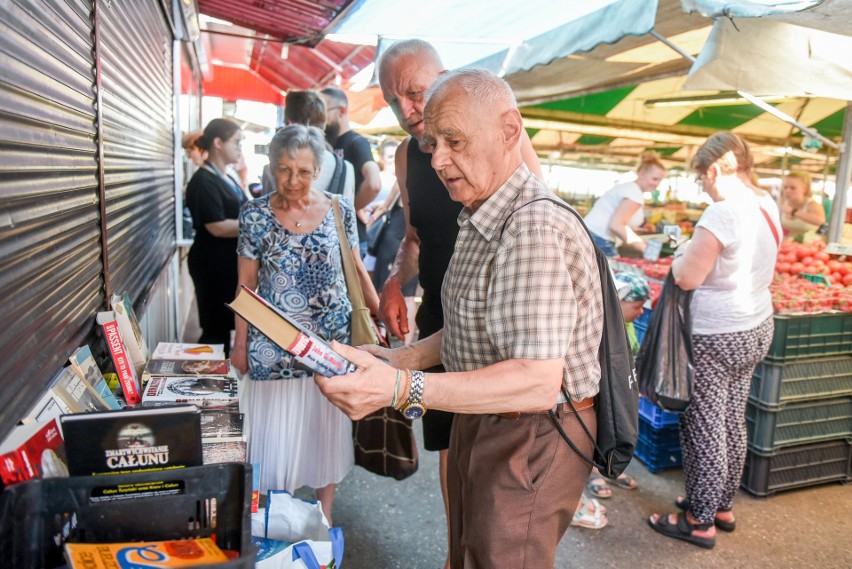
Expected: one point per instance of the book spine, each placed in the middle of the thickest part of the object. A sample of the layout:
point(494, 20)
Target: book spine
point(123, 364)
point(319, 357)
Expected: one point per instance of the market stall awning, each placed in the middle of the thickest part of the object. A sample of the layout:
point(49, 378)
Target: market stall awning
point(238, 82)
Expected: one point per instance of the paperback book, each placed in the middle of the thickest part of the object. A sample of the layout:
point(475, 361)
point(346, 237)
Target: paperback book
point(33, 450)
point(221, 424)
point(132, 440)
point(202, 390)
point(84, 365)
point(177, 553)
point(309, 351)
point(180, 351)
point(187, 367)
point(124, 366)
point(131, 332)
point(78, 395)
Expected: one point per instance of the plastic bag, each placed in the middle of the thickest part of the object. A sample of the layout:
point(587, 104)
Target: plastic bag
point(665, 365)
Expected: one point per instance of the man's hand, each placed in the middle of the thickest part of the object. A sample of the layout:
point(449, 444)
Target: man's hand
point(392, 309)
point(359, 393)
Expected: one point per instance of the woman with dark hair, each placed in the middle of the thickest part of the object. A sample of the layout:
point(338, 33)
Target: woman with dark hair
point(290, 253)
point(729, 263)
point(214, 200)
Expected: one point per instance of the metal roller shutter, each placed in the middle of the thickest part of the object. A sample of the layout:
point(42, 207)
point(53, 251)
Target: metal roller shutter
point(50, 254)
point(136, 80)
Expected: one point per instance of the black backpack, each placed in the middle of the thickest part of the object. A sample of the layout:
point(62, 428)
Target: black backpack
point(338, 179)
point(618, 398)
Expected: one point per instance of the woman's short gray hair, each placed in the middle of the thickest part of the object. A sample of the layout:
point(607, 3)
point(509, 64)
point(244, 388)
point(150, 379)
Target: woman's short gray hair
point(294, 137)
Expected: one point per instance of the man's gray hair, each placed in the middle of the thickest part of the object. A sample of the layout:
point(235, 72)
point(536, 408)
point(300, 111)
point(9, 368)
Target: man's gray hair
point(294, 137)
point(486, 89)
point(425, 52)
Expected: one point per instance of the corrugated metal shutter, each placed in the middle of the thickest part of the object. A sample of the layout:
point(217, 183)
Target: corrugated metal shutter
point(50, 284)
point(135, 48)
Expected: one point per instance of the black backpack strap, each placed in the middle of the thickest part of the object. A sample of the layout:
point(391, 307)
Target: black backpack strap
point(598, 256)
point(338, 179)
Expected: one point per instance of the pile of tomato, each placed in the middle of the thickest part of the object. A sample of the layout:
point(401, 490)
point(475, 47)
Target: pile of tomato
point(653, 269)
point(797, 258)
point(830, 287)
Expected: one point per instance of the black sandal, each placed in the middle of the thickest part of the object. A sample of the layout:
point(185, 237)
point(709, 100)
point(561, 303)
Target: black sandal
point(730, 526)
point(683, 530)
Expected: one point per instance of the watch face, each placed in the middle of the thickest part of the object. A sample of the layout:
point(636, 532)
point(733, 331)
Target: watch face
point(414, 411)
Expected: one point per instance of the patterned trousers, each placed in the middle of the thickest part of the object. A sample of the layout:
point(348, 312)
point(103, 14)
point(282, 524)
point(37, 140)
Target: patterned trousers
point(713, 434)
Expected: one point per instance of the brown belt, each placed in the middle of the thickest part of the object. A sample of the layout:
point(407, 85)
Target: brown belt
point(566, 408)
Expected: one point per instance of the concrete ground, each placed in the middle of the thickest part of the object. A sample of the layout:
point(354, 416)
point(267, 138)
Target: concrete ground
point(389, 525)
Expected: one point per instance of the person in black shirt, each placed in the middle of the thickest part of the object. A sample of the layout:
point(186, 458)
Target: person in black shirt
point(214, 200)
point(354, 148)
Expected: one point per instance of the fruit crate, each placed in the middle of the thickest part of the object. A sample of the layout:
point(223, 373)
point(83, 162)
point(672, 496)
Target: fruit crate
point(656, 417)
point(658, 449)
point(774, 384)
point(810, 336)
point(797, 467)
point(38, 516)
point(798, 423)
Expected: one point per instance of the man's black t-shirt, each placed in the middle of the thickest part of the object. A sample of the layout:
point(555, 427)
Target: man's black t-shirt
point(353, 147)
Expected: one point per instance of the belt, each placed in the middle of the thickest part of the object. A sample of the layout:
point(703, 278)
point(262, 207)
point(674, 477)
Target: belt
point(566, 408)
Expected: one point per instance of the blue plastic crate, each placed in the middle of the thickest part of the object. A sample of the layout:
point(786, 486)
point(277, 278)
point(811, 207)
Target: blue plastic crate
point(640, 324)
point(656, 457)
point(656, 416)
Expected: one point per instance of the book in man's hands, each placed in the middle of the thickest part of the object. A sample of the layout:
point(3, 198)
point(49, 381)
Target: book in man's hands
point(182, 351)
point(309, 350)
point(132, 440)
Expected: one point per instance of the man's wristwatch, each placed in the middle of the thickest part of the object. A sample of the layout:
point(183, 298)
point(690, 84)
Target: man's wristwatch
point(414, 407)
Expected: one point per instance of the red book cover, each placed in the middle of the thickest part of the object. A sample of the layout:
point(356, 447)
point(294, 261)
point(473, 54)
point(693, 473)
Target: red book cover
point(121, 359)
point(34, 450)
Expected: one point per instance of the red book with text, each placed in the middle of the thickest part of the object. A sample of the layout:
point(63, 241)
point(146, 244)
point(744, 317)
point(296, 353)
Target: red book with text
point(33, 450)
point(120, 357)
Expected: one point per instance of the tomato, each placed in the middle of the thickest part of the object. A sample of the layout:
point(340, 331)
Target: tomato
point(847, 279)
point(797, 268)
point(782, 267)
point(832, 265)
point(822, 256)
point(844, 268)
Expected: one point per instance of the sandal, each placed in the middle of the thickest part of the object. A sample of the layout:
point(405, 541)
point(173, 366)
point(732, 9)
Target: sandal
point(584, 517)
point(625, 481)
point(683, 530)
point(598, 488)
point(683, 504)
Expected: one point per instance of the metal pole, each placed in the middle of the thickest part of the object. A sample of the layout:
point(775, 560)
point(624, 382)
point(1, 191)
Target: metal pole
point(754, 100)
point(844, 172)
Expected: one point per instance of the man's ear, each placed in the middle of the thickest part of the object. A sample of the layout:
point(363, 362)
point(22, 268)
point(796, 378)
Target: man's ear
point(513, 126)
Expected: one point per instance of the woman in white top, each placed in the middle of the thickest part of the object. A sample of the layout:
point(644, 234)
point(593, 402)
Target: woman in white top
point(800, 213)
point(729, 263)
point(619, 212)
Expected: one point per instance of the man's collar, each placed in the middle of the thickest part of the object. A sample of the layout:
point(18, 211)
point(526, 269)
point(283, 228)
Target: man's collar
point(491, 215)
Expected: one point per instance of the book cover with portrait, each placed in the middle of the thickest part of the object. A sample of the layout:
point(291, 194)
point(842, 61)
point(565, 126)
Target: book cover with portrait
point(202, 390)
point(176, 367)
point(132, 440)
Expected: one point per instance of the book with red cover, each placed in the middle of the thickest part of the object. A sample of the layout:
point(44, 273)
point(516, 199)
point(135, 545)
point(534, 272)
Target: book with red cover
point(123, 364)
point(32, 450)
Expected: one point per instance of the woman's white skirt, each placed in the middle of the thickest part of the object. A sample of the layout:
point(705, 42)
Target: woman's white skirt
point(297, 436)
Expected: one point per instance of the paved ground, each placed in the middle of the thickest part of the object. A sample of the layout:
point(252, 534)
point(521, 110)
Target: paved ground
point(389, 524)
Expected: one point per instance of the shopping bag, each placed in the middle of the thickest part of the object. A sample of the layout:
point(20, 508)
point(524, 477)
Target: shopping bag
point(307, 554)
point(665, 365)
point(384, 444)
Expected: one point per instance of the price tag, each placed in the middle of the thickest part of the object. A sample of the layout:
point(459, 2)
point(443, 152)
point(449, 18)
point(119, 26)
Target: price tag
point(838, 249)
point(652, 249)
point(672, 231)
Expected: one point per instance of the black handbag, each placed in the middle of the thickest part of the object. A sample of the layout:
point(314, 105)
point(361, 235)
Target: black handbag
point(617, 403)
point(384, 444)
point(666, 362)
point(378, 228)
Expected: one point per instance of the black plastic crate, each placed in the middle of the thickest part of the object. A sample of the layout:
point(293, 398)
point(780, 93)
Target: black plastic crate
point(658, 449)
point(38, 516)
point(798, 423)
point(775, 384)
point(797, 467)
point(811, 336)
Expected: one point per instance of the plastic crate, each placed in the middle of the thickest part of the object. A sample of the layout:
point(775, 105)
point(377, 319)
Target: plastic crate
point(38, 516)
point(798, 423)
point(658, 449)
point(797, 467)
point(810, 336)
point(641, 323)
point(655, 416)
point(775, 384)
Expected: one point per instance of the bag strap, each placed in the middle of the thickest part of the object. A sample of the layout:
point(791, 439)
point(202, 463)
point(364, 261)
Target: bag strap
point(338, 179)
point(603, 345)
point(772, 227)
point(353, 285)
